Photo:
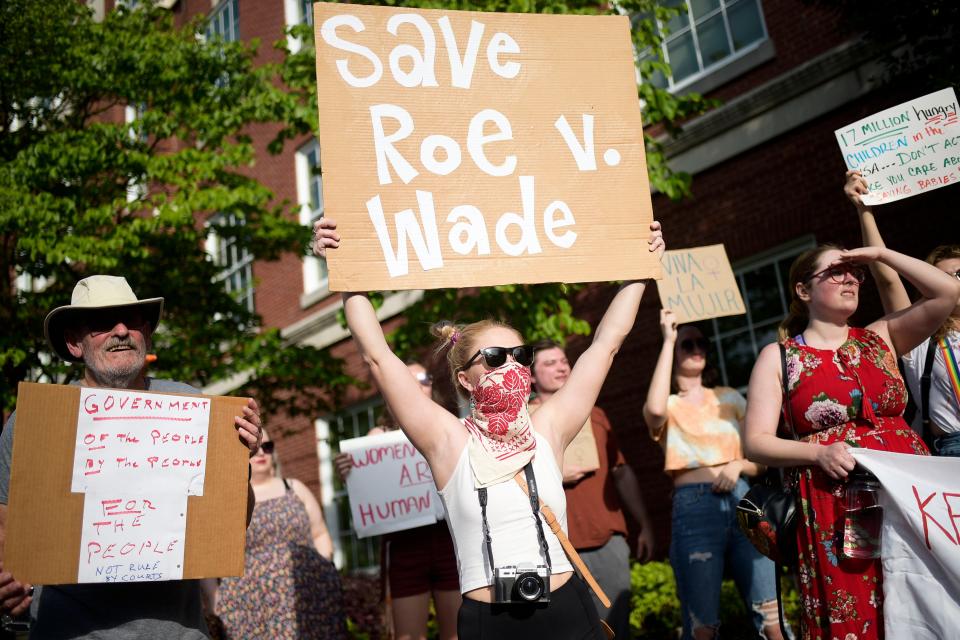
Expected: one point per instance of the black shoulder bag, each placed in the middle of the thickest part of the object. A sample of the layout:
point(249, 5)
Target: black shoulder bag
point(768, 513)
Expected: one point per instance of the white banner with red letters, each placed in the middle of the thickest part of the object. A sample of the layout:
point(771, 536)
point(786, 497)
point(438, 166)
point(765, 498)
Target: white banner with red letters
point(921, 543)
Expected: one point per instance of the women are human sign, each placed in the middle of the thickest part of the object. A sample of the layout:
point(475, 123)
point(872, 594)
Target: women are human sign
point(475, 149)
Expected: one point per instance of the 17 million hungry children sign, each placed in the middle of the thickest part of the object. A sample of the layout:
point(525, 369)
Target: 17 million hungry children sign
point(465, 148)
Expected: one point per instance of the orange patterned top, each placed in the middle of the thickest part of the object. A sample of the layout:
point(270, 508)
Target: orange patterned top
point(703, 435)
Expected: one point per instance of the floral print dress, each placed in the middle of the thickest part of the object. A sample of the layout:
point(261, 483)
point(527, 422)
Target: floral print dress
point(856, 395)
point(287, 590)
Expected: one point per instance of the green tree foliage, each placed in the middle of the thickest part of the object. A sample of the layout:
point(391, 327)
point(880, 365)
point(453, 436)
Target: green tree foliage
point(919, 39)
point(83, 192)
point(537, 311)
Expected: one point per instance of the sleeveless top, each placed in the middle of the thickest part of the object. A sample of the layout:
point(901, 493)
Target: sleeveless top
point(512, 528)
point(703, 435)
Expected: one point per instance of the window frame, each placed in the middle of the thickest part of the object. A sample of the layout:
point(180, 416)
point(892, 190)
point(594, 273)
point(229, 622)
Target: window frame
point(709, 77)
point(771, 257)
point(316, 282)
point(220, 249)
point(330, 430)
point(230, 27)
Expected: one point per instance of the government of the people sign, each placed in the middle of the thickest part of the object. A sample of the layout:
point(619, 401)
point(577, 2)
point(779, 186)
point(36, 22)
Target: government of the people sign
point(475, 149)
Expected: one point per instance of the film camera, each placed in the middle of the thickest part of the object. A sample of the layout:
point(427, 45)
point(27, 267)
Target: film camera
point(521, 583)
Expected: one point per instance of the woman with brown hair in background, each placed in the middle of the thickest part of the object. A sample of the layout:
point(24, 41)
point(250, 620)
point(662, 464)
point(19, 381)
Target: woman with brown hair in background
point(844, 391)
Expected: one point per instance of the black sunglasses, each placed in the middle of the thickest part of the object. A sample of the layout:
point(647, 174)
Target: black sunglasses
point(496, 356)
point(687, 344)
point(98, 322)
point(267, 447)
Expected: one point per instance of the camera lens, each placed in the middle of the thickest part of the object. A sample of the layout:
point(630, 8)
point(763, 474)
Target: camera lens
point(530, 587)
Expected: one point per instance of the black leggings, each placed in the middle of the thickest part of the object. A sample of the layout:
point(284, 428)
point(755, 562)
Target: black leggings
point(570, 614)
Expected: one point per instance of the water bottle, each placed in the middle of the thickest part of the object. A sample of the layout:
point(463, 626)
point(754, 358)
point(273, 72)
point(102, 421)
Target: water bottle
point(863, 516)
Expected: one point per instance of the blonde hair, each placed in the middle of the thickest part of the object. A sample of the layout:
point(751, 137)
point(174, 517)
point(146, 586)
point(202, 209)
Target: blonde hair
point(945, 252)
point(460, 340)
point(802, 269)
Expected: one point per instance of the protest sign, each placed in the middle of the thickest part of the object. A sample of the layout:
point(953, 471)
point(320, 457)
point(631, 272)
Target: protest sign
point(920, 548)
point(390, 485)
point(905, 150)
point(474, 149)
point(698, 284)
point(125, 486)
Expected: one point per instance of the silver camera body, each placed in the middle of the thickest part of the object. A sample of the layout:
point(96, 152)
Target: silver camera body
point(521, 583)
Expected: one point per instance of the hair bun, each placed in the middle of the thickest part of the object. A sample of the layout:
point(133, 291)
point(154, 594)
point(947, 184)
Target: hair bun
point(446, 331)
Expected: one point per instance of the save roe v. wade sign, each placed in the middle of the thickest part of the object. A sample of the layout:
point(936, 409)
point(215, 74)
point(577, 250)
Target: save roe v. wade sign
point(473, 149)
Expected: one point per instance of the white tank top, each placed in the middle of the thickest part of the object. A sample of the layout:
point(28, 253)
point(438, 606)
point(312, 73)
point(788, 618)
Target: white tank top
point(512, 529)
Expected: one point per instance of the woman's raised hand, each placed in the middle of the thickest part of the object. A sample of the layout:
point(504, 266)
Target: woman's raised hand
point(668, 325)
point(856, 187)
point(656, 242)
point(325, 236)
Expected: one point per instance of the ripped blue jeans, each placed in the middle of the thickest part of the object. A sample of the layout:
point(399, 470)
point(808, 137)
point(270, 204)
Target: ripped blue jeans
point(705, 539)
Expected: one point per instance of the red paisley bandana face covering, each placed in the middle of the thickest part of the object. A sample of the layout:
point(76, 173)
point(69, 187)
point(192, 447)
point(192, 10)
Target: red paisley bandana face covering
point(501, 437)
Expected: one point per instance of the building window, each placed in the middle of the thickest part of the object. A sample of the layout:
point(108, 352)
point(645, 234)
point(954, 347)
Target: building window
point(711, 34)
point(306, 12)
point(351, 554)
point(224, 21)
point(235, 262)
point(310, 195)
point(736, 340)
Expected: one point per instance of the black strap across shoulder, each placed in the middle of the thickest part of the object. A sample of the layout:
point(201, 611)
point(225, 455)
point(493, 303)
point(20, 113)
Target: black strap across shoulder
point(534, 506)
point(286, 484)
point(925, 385)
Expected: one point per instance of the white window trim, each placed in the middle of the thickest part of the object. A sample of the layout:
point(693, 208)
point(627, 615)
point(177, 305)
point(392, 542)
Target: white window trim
point(736, 63)
point(212, 247)
point(314, 289)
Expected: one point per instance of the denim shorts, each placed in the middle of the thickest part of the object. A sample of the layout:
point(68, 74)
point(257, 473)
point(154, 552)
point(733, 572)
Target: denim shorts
point(948, 445)
point(706, 539)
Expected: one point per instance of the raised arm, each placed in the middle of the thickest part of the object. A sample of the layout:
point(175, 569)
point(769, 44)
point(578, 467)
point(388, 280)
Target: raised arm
point(564, 413)
point(427, 424)
point(893, 295)
point(905, 329)
point(761, 443)
point(658, 393)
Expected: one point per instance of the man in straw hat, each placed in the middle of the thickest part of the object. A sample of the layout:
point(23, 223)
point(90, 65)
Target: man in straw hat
point(107, 329)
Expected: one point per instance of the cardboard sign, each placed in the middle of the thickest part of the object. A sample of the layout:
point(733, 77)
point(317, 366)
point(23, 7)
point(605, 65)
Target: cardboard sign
point(124, 486)
point(920, 542)
point(390, 486)
point(476, 149)
point(905, 150)
point(699, 284)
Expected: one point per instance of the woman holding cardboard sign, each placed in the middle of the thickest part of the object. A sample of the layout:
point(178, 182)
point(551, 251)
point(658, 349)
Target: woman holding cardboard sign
point(699, 427)
point(515, 574)
point(843, 390)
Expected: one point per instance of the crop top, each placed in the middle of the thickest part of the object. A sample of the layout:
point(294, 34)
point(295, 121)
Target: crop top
point(512, 529)
point(704, 435)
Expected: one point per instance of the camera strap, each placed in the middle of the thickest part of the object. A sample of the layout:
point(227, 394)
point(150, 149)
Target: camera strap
point(534, 507)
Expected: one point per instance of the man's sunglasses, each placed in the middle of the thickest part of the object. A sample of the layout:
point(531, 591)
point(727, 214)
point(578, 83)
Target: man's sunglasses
point(837, 274)
point(496, 356)
point(98, 322)
point(267, 447)
point(688, 344)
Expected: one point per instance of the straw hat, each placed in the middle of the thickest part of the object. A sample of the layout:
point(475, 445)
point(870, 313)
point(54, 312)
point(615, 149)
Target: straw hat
point(90, 294)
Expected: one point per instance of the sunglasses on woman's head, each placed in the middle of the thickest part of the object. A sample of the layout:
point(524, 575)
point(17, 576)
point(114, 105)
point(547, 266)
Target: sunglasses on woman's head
point(837, 273)
point(267, 447)
point(496, 356)
point(688, 344)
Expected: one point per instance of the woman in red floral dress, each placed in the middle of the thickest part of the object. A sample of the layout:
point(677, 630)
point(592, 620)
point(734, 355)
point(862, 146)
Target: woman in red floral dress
point(845, 391)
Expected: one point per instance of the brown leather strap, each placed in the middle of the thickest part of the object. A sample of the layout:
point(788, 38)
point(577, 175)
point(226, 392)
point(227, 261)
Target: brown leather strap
point(554, 525)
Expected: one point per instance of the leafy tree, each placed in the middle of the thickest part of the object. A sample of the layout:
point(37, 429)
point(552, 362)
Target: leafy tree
point(82, 191)
point(537, 311)
point(918, 39)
